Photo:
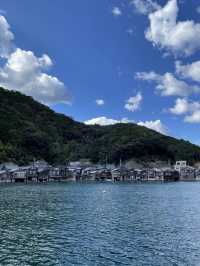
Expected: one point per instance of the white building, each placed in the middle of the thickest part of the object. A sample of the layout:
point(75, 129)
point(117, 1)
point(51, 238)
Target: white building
point(179, 165)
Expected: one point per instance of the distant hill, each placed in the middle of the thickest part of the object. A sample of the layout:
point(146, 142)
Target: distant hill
point(30, 130)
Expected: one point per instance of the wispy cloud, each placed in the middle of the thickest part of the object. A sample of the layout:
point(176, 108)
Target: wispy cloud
point(145, 6)
point(130, 31)
point(198, 9)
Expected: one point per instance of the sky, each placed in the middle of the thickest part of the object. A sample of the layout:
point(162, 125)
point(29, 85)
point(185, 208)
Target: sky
point(107, 61)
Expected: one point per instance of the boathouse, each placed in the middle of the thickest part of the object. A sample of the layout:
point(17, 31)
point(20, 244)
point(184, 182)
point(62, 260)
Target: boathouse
point(187, 173)
point(170, 175)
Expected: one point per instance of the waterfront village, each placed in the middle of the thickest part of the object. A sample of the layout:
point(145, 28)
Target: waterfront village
point(40, 171)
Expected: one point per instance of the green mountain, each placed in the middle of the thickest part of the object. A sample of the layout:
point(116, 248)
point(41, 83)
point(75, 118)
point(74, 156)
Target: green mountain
point(30, 130)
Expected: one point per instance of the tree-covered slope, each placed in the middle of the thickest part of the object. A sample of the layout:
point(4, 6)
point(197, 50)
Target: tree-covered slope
point(30, 130)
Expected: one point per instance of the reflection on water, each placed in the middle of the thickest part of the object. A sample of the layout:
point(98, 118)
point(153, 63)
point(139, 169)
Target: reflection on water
point(100, 224)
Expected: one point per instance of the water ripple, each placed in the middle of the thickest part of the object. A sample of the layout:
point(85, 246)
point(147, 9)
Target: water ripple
point(100, 224)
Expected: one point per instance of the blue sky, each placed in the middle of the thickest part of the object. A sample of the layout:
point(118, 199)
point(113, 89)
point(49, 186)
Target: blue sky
point(105, 61)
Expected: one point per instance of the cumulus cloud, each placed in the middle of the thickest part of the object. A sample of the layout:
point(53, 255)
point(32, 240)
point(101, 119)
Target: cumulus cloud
point(193, 118)
point(190, 109)
point(104, 121)
point(181, 107)
point(178, 37)
point(156, 125)
point(23, 71)
point(168, 84)
point(6, 38)
point(145, 6)
point(190, 71)
point(116, 11)
point(100, 102)
point(134, 103)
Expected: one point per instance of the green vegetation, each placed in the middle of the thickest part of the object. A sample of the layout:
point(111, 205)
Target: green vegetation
point(30, 130)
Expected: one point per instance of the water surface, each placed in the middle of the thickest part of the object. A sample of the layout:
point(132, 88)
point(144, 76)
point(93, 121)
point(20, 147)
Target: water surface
point(100, 224)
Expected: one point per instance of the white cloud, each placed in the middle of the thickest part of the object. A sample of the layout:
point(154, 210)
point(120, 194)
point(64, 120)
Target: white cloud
point(190, 109)
point(181, 107)
point(191, 71)
point(104, 121)
point(193, 118)
point(179, 37)
point(134, 103)
point(148, 76)
point(100, 102)
point(156, 125)
point(168, 84)
point(116, 11)
point(26, 73)
point(6, 38)
point(145, 6)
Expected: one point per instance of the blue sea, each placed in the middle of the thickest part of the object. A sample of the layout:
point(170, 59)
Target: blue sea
point(100, 224)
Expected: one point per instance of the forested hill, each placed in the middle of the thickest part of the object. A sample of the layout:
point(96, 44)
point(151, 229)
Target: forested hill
point(30, 130)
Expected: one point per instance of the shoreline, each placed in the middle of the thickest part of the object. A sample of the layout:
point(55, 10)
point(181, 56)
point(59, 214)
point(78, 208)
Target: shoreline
point(98, 182)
